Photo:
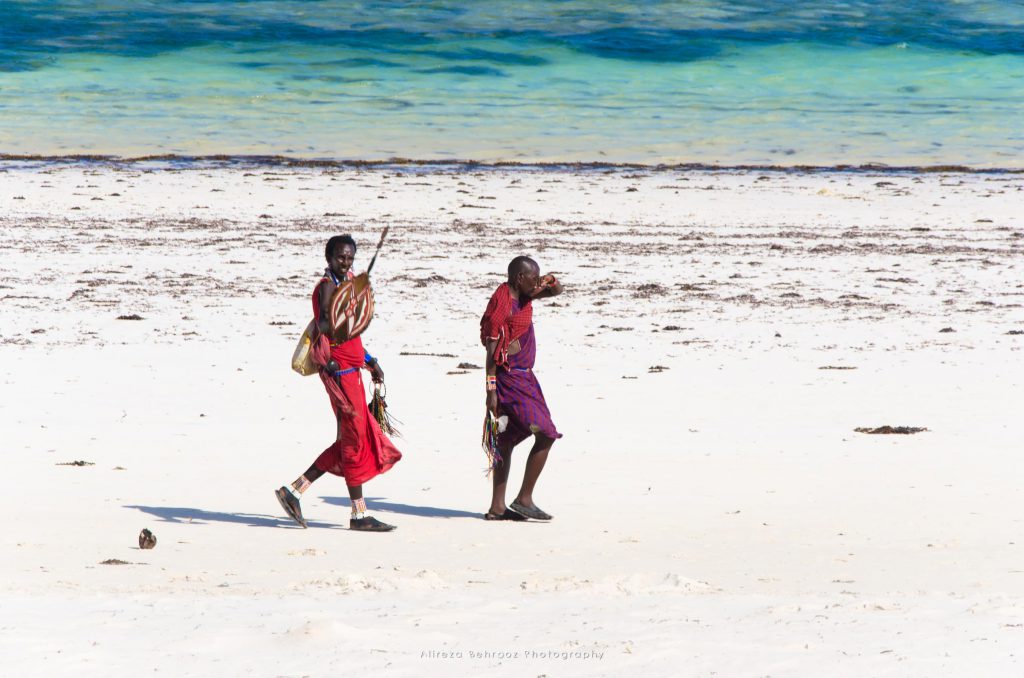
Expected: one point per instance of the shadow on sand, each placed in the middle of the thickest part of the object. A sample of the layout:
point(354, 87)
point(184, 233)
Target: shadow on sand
point(178, 514)
point(377, 504)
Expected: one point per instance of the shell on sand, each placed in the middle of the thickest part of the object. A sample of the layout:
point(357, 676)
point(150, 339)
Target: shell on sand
point(147, 539)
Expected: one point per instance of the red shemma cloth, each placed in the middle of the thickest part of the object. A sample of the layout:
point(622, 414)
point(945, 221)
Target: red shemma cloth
point(361, 451)
point(500, 324)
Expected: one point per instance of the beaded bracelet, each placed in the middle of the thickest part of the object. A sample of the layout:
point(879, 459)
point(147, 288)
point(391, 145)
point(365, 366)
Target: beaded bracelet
point(492, 383)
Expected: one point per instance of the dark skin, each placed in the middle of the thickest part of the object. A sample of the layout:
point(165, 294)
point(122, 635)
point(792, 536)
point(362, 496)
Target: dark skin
point(526, 283)
point(340, 262)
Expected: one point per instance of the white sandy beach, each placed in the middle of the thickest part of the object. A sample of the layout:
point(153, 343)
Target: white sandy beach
point(716, 516)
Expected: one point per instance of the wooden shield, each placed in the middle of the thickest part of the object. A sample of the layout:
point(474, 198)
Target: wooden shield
point(351, 308)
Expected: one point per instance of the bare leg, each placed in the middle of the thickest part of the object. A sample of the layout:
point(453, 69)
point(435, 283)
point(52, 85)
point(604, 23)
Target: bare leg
point(311, 474)
point(360, 520)
point(534, 465)
point(500, 480)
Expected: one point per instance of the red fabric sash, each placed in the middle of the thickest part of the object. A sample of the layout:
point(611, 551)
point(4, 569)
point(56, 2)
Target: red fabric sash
point(361, 451)
point(320, 351)
point(500, 324)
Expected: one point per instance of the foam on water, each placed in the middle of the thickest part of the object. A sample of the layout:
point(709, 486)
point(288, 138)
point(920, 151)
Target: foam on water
point(712, 82)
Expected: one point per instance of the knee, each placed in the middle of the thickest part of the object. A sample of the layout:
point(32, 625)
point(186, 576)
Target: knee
point(543, 442)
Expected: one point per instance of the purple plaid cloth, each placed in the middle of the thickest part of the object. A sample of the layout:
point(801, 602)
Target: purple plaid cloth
point(520, 396)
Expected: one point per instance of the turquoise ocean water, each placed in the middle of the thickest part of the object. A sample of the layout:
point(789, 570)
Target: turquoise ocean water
point(693, 81)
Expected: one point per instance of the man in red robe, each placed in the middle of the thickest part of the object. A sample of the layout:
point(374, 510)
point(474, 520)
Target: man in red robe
point(506, 331)
point(360, 451)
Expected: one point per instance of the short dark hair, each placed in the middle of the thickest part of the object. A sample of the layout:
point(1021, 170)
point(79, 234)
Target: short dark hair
point(336, 242)
point(520, 264)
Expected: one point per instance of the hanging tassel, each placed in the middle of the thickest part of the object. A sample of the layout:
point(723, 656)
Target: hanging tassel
point(379, 410)
point(492, 427)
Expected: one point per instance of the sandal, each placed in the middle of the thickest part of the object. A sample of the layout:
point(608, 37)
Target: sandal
point(529, 511)
point(290, 505)
point(369, 524)
point(509, 514)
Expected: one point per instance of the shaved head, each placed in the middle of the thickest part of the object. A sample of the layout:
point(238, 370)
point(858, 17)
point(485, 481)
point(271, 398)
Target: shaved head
point(522, 265)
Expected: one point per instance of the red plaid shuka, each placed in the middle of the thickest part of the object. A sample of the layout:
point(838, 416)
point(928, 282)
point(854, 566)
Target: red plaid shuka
point(500, 324)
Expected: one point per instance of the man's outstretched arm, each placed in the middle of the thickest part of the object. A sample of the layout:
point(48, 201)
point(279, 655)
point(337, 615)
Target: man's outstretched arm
point(548, 287)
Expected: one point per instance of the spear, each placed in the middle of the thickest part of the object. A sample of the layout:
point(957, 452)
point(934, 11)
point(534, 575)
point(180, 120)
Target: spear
point(380, 243)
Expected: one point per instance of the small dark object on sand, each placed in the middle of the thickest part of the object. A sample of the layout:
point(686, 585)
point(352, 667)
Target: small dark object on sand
point(468, 366)
point(892, 429)
point(946, 330)
point(79, 462)
point(147, 539)
point(133, 316)
point(114, 561)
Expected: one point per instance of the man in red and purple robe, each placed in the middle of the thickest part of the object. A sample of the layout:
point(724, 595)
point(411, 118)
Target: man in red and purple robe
point(360, 451)
point(506, 331)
